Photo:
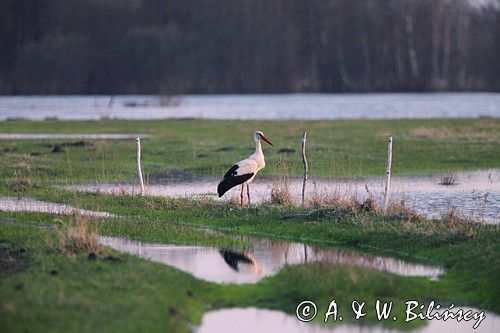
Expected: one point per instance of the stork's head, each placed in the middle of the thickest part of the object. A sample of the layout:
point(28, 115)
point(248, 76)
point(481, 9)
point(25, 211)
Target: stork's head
point(259, 135)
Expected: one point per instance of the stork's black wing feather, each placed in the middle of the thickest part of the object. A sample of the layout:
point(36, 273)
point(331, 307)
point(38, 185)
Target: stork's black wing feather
point(231, 179)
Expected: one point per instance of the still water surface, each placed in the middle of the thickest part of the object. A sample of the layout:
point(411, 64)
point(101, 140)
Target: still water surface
point(286, 106)
point(265, 257)
point(250, 320)
point(11, 204)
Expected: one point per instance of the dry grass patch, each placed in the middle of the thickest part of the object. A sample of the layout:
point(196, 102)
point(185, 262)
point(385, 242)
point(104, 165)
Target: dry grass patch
point(431, 133)
point(320, 199)
point(452, 220)
point(401, 210)
point(79, 235)
point(280, 195)
point(369, 205)
point(452, 224)
point(280, 192)
point(336, 206)
point(468, 134)
point(338, 200)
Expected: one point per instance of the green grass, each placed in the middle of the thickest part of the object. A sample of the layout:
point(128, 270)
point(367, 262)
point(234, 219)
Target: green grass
point(71, 293)
point(335, 148)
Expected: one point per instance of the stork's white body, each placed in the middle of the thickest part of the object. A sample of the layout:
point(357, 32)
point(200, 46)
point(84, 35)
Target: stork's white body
point(253, 164)
point(245, 171)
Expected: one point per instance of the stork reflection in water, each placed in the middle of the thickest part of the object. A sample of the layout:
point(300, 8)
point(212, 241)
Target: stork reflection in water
point(236, 260)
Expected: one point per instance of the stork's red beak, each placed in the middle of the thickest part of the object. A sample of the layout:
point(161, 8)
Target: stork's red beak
point(266, 139)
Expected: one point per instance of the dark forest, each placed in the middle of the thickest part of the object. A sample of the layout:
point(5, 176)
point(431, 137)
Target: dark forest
point(229, 46)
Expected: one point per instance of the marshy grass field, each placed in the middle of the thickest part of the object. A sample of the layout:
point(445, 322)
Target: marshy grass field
point(209, 147)
point(55, 275)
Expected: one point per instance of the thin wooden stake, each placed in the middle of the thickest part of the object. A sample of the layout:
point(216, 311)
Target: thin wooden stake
point(139, 167)
point(306, 167)
point(388, 173)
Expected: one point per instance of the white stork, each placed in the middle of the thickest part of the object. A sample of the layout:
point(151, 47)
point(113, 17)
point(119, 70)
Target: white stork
point(244, 171)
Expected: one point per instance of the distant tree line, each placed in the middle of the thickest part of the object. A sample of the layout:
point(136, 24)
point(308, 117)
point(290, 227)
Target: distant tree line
point(247, 46)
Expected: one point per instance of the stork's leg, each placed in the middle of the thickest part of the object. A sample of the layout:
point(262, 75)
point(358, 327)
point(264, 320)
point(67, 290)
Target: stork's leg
point(248, 193)
point(241, 194)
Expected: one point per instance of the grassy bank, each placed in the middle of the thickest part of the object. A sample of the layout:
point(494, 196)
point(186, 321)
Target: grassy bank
point(45, 289)
point(469, 251)
point(185, 147)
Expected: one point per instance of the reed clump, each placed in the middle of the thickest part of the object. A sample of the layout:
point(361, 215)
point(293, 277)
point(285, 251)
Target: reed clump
point(78, 235)
point(281, 195)
point(336, 199)
point(335, 206)
point(369, 205)
point(326, 199)
point(401, 210)
point(449, 179)
point(280, 192)
point(454, 220)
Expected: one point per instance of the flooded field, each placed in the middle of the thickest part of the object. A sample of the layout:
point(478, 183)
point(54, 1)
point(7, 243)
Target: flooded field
point(264, 257)
point(270, 321)
point(475, 194)
point(285, 106)
point(10, 204)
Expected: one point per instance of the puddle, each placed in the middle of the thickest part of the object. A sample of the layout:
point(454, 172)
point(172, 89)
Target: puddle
point(10, 204)
point(99, 136)
point(270, 321)
point(477, 194)
point(266, 258)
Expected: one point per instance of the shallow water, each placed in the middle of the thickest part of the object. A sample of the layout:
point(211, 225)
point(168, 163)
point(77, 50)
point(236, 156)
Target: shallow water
point(250, 320)
point(265, 258)
point(477, 194)
point(285, 106)
point(10, 204)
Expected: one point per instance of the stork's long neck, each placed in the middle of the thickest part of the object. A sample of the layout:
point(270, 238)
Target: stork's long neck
point(259, 155)
point(258, 148)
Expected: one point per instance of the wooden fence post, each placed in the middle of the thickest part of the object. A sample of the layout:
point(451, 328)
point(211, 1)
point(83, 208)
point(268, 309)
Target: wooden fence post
point(306, 167)
point(388, 173)
point(139, 167)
